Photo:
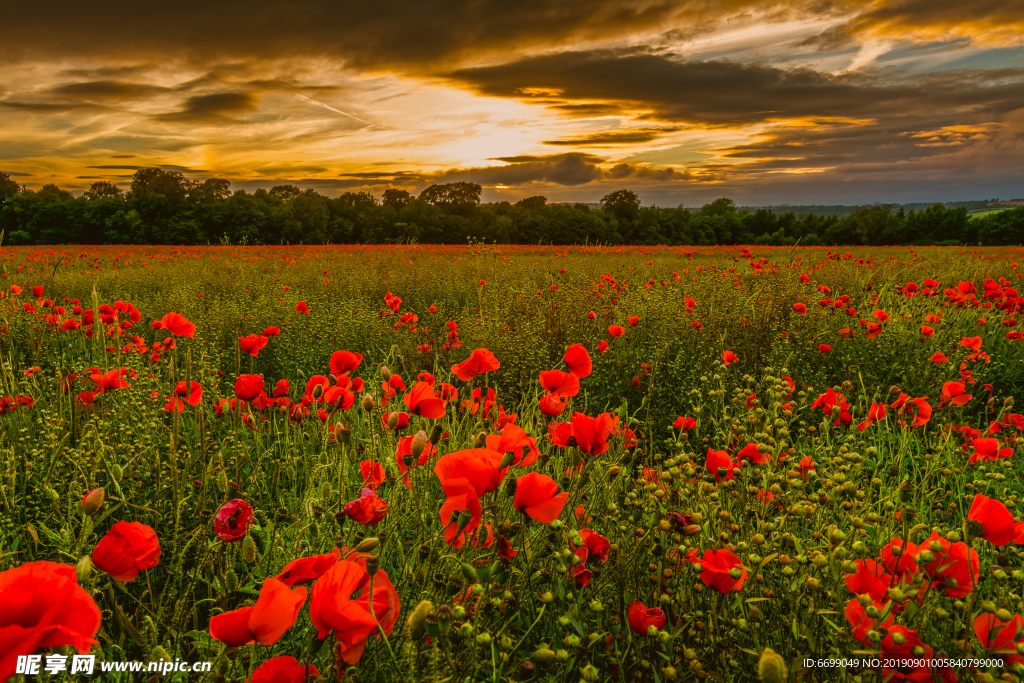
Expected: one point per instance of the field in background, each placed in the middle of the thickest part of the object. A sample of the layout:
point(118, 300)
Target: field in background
point(772, 458)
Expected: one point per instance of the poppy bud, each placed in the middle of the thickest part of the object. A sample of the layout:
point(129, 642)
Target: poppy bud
point(507, 460)
point(367, 545)
point(418, 618)
point(385, 373)
point(372, 565)
point(368, 403)
point(435, 434)
point(83, 569)
point(468, 571)
point(248, 549)
point(318, 391)
point(510, 486)
point(771, 668)
point(230, 581)
point(1008, 403)
point(93, 501)
point(972, 530)
point(465, 517)
point(613, 471)
point(480, 440)
point(392, 420)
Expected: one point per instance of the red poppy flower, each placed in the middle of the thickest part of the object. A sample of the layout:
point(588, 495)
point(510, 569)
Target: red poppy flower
point(927, 331)
point(939, 358)
point(824, 348)
point(373, 474)
point(43, 607)
point(998, 526)
point(307, 569)
point(955, 393)
point(480, 361)
point(422, 401)
point(806, 465)
point(463, 498)
point(253, 343)
point(641, 618)
point(284, 669)
point(513, 439)
point(751, 453)
point(332, 607)
point(988, 449)
point(560, 383)
point(717, 460)
point(505, 549)
point(109, 380)
point(861, 623)
point(272, 332)
point(248, 387)
point(602, 346)
point(597, 545)
point(405, 448)
point(591, 433)
point(717, 565)
point(275, 611)
point(232, 520)
point(37, 291)
point(800, 308)
point(685, 423)
point(281, 388)
point(951, 563)
point(368, 509)
point(126, 549)
point(728, 357)
point(1000, 637)
point(477, 467)
point(344, 362)
point(301, 307)
point(616, 330)
point(578, 361)
point(552, 404)
point(176, 324)
point(869, 577)
point(634, 320)
point(537, 496)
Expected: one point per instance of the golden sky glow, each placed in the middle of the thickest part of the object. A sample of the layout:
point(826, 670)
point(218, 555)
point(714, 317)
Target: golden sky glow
point(796, 102)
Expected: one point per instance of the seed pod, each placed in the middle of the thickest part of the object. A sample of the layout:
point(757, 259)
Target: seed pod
point(419, 444)
point(368, 403)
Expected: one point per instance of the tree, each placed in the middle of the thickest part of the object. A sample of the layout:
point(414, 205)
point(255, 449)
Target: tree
point(623, 204)
point(452, 194)
point(51, 192)
point(533, 203)
point(103, 189)
point(8, 188)
point(396, 198)
point(284, 192)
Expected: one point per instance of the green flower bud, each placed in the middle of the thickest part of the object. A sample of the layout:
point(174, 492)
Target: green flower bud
point(771, 668)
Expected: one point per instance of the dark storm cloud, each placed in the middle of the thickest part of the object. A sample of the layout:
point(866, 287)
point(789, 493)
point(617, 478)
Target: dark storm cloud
point(723, 93)
point(587, 109)
point(213, 108)
point(41, 107)
point(565, 170)
point(162, 167)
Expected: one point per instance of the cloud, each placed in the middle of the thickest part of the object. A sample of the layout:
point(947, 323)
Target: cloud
point(212, 109)
point(613, 138)
point(105, 90)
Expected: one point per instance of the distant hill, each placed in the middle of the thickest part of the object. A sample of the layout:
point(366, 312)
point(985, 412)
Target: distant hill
point(842, 210)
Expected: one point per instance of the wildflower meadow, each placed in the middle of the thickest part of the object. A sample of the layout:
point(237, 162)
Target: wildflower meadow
point(510, 463)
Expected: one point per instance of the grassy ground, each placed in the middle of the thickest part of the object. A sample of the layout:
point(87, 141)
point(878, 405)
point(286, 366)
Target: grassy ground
point(710, 566)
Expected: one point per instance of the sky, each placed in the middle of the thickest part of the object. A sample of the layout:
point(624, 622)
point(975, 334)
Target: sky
point(798, 102)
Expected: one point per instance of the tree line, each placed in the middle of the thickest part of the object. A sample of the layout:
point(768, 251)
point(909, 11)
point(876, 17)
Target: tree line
point(164, 207)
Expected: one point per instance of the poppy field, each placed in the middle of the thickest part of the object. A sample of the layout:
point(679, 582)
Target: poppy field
point(512, 463)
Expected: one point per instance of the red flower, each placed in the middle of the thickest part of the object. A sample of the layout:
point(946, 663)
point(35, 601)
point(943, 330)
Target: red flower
point(373, 474)
point(998, 637)
point(552, 404)
point(272, 332)
point(176, 324)
point(998, 527)
point(824, 348)
point(869, 578)
point(597, 545)
point(950, 569)
point(422, 401)
point(729, 357)
point(281, 388)
point(641, 618)
point(955, 393)
point(307, 569)
point(275, 611)
point(301, 307)
point(616, 330)
point(578, 361)
point(602, 346)
point(717, 565)
point(591, 433)
point(800, 308)
point(344, 362)
point(560, 383)
point(37, 291)
point(513, 439)
point(43, 607)
point(717, 460)
point(253, 343)
point(405, 448)
point(475, 467)
point(939, 358)
point(634, 320)
point(367, 509)
point(480, 361)
point(505, 549)
point(537, 496)
point(462, 498)
point(750, 452)
point(988, 449)
point(284, 669)
point(685, 423)
point(248, 387)
point(106, 381)
point(232, 520)
point(127, 548)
